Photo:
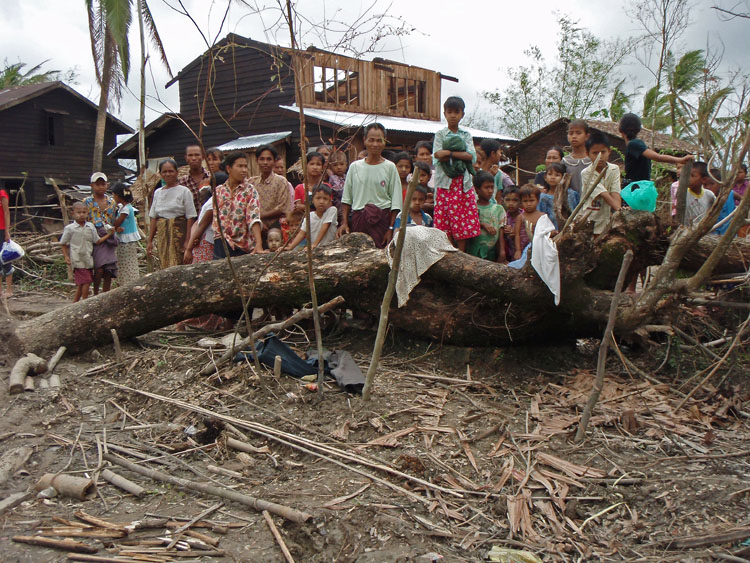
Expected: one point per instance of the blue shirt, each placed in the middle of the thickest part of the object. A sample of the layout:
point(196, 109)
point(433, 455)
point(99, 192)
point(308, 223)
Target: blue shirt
point(725, 211)
point(129, 228)
point(426, 220)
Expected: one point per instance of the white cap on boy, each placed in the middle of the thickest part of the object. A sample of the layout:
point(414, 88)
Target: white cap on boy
point(98, 176)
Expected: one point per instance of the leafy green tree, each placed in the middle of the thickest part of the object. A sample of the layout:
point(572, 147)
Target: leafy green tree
point(14, 75)
point(576, 84)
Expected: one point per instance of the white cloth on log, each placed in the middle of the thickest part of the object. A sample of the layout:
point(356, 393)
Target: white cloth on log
point(544, 256)
point(423, 246)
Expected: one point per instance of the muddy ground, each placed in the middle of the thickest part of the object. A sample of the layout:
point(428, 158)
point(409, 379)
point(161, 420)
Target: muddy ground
point(482, 439)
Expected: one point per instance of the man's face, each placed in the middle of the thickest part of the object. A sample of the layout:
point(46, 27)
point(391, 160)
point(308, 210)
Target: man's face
point(265, 162)
point(238, 170)
point(193, 157)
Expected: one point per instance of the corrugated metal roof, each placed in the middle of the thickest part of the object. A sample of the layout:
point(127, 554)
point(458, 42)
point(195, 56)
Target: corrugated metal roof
point(254, 141)
point(352, 120)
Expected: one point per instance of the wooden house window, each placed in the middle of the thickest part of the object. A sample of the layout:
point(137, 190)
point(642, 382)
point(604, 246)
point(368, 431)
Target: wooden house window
point(53, 128)
point(336, 86)
point(406, 95)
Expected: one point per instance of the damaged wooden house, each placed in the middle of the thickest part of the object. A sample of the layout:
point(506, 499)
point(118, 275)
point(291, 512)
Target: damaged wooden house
point(48, 133)
point(240, 95)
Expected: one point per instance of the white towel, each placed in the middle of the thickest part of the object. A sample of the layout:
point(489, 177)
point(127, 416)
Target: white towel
point(544, 256)
point(423, 246)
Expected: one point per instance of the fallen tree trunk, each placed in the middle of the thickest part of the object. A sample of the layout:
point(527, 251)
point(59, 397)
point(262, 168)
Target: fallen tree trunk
point(461, 300)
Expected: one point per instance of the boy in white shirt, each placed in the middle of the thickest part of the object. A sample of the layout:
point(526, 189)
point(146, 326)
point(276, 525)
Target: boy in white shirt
point(606, 196)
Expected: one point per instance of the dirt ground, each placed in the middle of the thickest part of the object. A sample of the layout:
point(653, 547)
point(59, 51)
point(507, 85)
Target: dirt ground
point(459, 452)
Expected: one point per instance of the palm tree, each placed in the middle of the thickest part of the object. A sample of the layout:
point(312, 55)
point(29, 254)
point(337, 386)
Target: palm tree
point(109, 23)
point(13, 75)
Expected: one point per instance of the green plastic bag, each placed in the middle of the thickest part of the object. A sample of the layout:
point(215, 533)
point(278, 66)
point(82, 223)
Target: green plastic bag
point(640, 195)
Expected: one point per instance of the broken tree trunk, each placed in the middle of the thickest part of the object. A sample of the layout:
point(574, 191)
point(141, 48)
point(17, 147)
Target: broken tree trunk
point(461, 300)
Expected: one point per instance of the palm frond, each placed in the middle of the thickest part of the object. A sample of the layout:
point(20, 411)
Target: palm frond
point(119, 16)
point(688, 72)
point(96, 35)
point(148, 22)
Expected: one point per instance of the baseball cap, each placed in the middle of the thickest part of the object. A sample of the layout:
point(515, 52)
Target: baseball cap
point(98, 176)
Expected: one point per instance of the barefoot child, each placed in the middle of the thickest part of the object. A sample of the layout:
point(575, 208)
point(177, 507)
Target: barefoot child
point(455, 200)
point(323, 220)
point(77, 245)
point(489, 245)
point(577, 160)
point(515, 241)
point(127, 235)
point(416, 215)
point(606, 196)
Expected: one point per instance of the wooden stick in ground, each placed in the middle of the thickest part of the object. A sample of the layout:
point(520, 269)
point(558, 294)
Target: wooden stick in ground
point(742, 328)
point(247, 500)
point(682, 188)
point(211, 367)
point(277, 536)
point(297, 67)
point(65, 545)
point(116, 341)
point(603, 347)
point(66, 220)
point(54, 360)
point(389, 291)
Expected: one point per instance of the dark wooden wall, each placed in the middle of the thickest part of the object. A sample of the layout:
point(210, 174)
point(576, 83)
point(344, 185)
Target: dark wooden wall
point(24, 146)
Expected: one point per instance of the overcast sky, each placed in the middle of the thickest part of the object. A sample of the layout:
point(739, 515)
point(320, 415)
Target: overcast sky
point(476, 43)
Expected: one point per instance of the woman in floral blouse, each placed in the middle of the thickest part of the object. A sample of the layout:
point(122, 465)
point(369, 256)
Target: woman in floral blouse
point(238, 211)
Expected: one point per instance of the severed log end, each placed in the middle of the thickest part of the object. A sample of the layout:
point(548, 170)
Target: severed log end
point(29, 365)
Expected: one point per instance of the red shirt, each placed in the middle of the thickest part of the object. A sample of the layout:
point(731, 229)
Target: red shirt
point(3, 194)
point(299, 192)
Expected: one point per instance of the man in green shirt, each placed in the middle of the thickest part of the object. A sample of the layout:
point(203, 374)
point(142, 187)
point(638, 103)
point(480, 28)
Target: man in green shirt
point(372, 192)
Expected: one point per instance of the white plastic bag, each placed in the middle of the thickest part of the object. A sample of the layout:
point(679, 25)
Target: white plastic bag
point(10, 252)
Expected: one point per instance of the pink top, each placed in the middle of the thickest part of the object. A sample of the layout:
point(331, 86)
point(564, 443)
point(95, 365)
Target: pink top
point(740, 188)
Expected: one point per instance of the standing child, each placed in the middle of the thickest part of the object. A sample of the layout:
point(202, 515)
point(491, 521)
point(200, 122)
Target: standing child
point(553, 180)
point(638, 156)
point(515, 239)
point(77, 245)
point(577, 160)
point(529, 202)
point(405, 167)
point(489, 245)
point(425, 176)
point(127, 235)
point(315, 165)
point(372, 191)
point(101, 212)
point(699, 199)
point(493, 153)
point(606, 196)
point(416, 215)
point(323, 221)
point(455, 201)
point(200, 245)
point(336, 179)
point(7, 269)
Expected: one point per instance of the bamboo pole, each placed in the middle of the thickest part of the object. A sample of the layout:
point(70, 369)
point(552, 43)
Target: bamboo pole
point(122, 483)
point(389, 291)
point(603, 347)
point(258, 504)
point(66, 219)
point(303, 158)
